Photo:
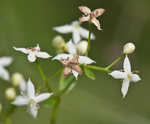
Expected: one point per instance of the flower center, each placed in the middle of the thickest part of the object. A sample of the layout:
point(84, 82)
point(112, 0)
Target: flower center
point(129, 76)
point(32, 101)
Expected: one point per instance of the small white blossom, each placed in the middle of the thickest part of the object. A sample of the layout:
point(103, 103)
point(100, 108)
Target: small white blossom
point(128, 48)
point(126, 75)
point(33, 53)
point(31, 99)
point(72, 63)
point(77, 31)
point(4, 61)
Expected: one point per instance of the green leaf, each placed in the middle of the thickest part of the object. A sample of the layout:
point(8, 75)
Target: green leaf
point(89, 73)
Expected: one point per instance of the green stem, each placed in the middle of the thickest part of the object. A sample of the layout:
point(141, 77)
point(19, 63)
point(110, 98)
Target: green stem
point(98, 68)
point(55, 110)
point(115, 62)
point(89, 39)
point(45, 80)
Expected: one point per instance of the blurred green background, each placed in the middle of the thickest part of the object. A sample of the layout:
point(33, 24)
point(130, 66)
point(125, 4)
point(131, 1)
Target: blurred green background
point(24, 23)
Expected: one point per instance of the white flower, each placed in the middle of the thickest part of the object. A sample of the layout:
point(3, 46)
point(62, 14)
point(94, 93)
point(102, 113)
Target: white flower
point(126, 75)
point(77, 31)
point(4, 61)
point(31, 99)
point(72, 63)
point(33, 53)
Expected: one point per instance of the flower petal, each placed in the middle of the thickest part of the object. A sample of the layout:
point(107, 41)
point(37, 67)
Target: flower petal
point(118, 74)
point(4, 74)
point(135, 78)
point(85, 60)
point(23, 87)
point(71, 47)
point(31, 57)
point(30, 89)
point(63, 29)
point(63, 56)
point(20, 101)
point(96, 23)
point(85, 33)
point(98, 12)
point(33, 110)
point(76, 36)
point(42, 97)
point(23, 50)
point(84, 18)
point(37, 47)
point(125, 86)
point(43, 55)
point(127, 65)
point(75, 74)
point(5, 61)
point(85, 10)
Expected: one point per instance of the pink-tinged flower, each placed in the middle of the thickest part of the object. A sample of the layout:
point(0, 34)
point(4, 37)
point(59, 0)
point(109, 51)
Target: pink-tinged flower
point(31, 99)
point(126, 75)
point(77, 31)
point(72, 63)
point(5, 61)
point(33, 53)
point(91, 15)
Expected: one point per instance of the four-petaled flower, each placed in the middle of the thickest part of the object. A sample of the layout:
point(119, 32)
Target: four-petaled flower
point(77, 31)
point(91, 15)
point(31, 99)
point(126, 75)
point(4, 61)
point(33, 53)
point(72, 63)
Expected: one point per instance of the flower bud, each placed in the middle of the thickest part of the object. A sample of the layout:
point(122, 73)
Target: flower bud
point(82, 47)
point(1, 107)
point(128, 48)
point(16, 79)
point(10, 93)
point(58, 42)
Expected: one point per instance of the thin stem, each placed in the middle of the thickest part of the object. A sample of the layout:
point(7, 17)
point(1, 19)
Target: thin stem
point(45, 80)
point(115, 62)
point(55, 110)
point(98, 68)
point(89, 39)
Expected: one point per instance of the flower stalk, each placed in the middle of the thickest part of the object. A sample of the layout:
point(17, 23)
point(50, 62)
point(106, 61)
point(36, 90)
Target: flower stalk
point(45, 80)
point(89, 38)
point(115, 62)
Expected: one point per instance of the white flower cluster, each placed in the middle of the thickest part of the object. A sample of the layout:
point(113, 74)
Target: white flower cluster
point(72, 55)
